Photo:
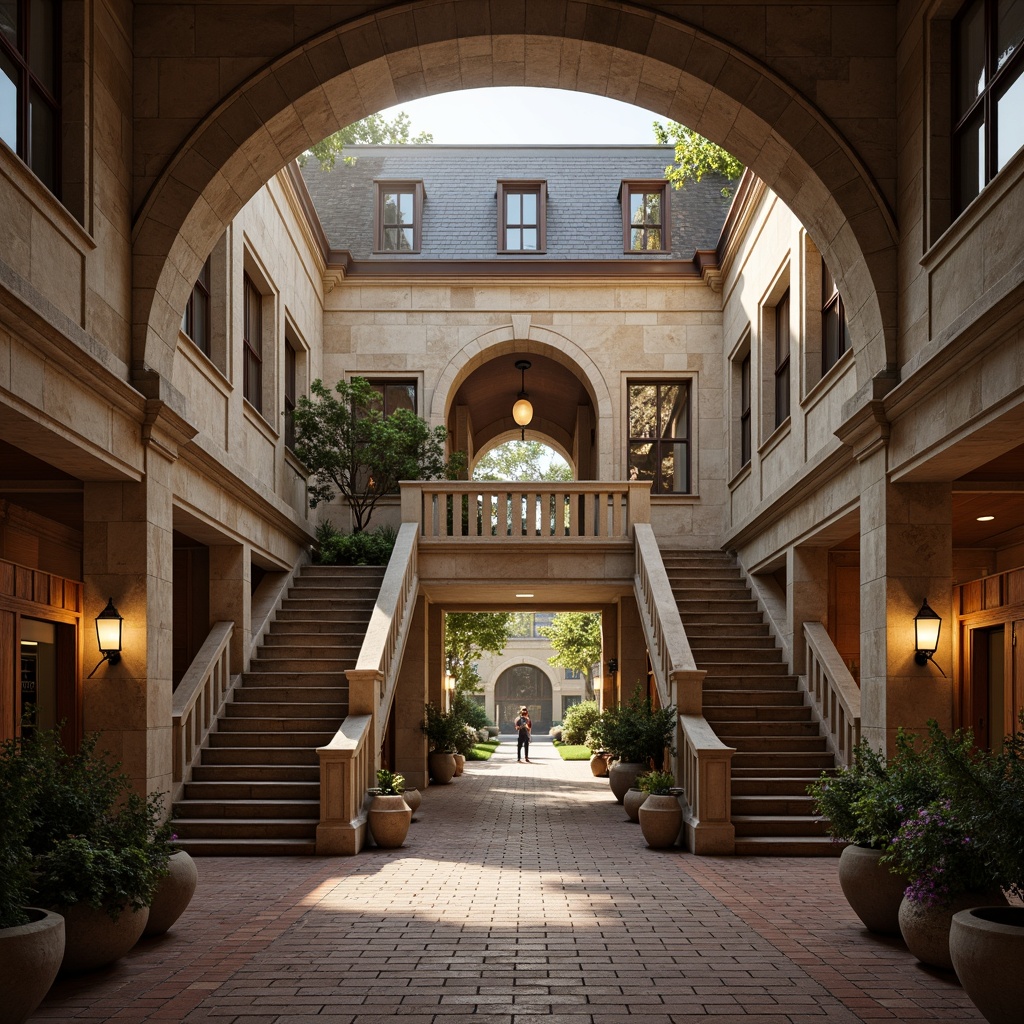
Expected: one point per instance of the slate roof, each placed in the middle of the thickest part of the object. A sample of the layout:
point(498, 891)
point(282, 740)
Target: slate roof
point(584, 217)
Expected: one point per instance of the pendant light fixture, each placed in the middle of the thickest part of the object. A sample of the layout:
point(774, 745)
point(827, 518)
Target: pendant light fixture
point(522, 411)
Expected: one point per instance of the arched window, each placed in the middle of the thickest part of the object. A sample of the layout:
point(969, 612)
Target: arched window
point(519, 685)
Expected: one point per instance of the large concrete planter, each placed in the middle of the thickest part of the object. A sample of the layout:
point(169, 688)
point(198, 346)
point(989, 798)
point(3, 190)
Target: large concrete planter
point(389, 818)
point(413, 798)
point(661, 818)
point(632, 802)
point(986, 945)
point(173, 894)
point(872, 890)
point(95, 940)
point(30, 955)
point(599, 764)
point(442, 767)
point(925, 929)
point(460, 764)
point(622, 777)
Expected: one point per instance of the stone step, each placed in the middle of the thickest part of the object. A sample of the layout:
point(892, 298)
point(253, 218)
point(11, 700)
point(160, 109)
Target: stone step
point(804, 730)
point(327, 710)
point(258, 773)
point(723, 609)
point(312, 590)
point(688, 572)
point(752, 681)
point(297, 679)
point(732, 641)
point(772, 743)
point(746, 668)
point(316, 736)
point(303, 665)
point(760, 713)
point(322, 619)
point(251, 756)
point(248, 847)
point(745, 654)
point(252, 810)
point(279, 727)
point(250, 789)
point(751, 698)
point(245, 828)
point(774, 804)
point(807, 775)
point(313, 640)
point(787, 846)
point(774, 760)
point(344, 571)
point(289, 694)
point(769, 787)
point(777, 825)
point(702, 619)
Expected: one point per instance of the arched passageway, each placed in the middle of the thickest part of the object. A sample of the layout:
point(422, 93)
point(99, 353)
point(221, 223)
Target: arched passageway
point(522, 685)
point(196, 172)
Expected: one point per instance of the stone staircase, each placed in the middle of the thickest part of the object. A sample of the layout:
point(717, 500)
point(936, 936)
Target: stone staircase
point(256, 791)
point(753, 704)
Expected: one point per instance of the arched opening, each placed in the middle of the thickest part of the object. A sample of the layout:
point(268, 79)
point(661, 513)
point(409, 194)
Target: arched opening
point(519, 685)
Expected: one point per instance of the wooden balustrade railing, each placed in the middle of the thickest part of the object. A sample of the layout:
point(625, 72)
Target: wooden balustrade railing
point(704, 765)
point(833, 691)
point(540, 512)
point(348, 763)
point(198, 701)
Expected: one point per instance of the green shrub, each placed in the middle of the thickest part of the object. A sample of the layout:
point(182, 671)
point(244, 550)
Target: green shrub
point(389, 783)
point(578, 721)
point(15, 855)
point(656, 782)
point(369, 547)
point(638, 733)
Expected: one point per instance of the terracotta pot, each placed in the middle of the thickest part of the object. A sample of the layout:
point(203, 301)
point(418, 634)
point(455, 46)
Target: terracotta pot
point(926, 929)
point(872, 890)
point(599, 765)
point(460, 764)
point(389, 818)
point(31, 955)
point(661, 818)
point(413, 798)
point(622, 776)
point(632, 802)
point(94, 940)
point(173, 894)
point(442, 767)
point(986, 945)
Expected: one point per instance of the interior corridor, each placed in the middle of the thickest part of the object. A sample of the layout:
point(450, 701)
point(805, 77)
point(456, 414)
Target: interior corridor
point(522, 892)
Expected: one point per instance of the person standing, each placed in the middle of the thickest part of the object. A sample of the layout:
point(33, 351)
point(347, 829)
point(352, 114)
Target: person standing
point(523, 727)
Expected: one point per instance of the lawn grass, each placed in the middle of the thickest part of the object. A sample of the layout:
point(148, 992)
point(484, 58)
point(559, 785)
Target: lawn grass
point(483, 751)
point(573, 752)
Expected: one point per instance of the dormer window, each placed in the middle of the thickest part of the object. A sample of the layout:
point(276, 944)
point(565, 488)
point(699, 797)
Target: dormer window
point(645, 216)
point(522, 215)
point(399, 216)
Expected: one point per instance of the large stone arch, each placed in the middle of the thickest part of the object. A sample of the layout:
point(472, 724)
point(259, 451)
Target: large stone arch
point(510, 339)
point(306, 91)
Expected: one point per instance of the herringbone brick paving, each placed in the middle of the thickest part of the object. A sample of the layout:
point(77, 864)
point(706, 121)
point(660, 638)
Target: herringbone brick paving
point(522, 892)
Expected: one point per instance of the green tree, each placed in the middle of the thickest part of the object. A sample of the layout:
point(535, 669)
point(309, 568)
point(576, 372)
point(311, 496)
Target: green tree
point(522, 460)
point(695, 156)
point(467, 635)
point(576, 638)
point(351, 448)
point(373, 130)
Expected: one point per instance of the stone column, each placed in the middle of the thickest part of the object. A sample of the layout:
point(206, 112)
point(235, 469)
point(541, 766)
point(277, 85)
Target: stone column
point(410, 696)
point(632, 648)
point(609, 695)
point(806, 598)
point(231, 598)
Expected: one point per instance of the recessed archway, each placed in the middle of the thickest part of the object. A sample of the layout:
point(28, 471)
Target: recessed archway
point(624, 52)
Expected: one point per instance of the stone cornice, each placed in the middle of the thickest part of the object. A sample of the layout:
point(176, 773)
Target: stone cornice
point(866, 431)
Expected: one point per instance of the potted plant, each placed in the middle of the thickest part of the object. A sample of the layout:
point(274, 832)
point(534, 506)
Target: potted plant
point(31, 939)
point(637, 734)
point(99, 849)
point(863, 806)
point(389, 815)
point(661, 817)
point(443, 731)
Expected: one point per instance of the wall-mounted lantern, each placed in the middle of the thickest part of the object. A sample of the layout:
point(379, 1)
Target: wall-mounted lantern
point(108, 635)
point(927, 624)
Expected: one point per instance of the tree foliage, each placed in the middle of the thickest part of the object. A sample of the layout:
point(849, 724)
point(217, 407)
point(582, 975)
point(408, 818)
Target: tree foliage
point(351, 448)
point(695, 156)
point(522, 460)
point(468, 635)
point(576, 638)
point(373, 130)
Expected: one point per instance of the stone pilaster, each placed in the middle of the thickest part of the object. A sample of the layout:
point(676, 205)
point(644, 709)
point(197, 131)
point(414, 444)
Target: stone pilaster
point(410, 696)
point(632, 648)
point(231, 597)
point(806, 597)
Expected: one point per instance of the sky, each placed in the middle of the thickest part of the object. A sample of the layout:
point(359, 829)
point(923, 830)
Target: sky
point(503, 116)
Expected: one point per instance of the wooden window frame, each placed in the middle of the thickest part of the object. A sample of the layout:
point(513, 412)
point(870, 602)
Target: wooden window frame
point(631, 188)
point(783, 382)
point(659, 439)
point(381, 188)
point(998, 80)
point(746, 434)
point(252, 343)
point(200, 294)
point(291, 358)
point(832, 308)
point(383, 382)
point(538, 188)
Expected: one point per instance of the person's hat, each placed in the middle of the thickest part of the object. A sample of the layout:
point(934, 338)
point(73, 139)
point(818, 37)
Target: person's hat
point(523, 708)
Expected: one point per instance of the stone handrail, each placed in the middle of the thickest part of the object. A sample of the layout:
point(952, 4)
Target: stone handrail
point(198, 701)
point(704, 762)
point(536, 512)
point(833, 691)
point(348, 763)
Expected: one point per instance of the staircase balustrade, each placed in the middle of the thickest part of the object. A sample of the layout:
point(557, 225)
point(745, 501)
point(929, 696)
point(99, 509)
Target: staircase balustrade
point(705, 763)
point(198, 700)
point(536, 512)
point(348, 763)
point(833, 691)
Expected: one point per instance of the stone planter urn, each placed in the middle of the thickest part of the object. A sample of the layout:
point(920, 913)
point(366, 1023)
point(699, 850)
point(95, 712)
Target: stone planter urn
point(925, 928)
point(173, 894)
point(95, 940)
point(413, 798)
point(872, 890)
point(661, 818)
point(460, 764)
point(622, 776)
point(599, 764)
point(31, 955)
point(986, 945)
point(442, 767)
point(632, 802)
point(389, 818)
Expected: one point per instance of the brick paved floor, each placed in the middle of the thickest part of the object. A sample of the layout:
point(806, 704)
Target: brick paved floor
point(522, 892)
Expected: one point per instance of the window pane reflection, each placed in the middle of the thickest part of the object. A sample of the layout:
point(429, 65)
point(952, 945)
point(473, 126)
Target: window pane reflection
point(1010, 118)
